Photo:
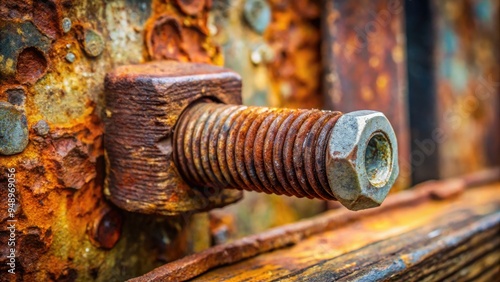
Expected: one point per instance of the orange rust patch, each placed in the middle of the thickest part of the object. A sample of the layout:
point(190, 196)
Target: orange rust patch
point(294, 35)
point(45, 17)
point(171, 34)
point(191, 7)
point(164, 39)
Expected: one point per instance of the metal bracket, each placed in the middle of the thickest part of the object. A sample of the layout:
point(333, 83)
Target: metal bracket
point(143, 103)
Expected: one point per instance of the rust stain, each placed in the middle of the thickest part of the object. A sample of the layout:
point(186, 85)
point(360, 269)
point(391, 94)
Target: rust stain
point(467, 85)
point(180, 35)
point(164, 39)
point(364, 61)
point(46, 17)
point(294, 36)
point(31, 65)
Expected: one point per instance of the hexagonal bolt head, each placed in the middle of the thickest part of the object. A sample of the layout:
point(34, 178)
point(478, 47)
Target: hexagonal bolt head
point(362, 159)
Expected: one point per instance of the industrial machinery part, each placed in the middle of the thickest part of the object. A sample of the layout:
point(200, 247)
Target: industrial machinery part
point(304, 153)
point(176, 137)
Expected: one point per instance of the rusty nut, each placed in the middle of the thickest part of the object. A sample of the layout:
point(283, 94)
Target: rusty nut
point(362, 159)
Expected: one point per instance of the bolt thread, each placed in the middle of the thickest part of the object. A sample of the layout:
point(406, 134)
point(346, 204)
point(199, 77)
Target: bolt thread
point(270, 150)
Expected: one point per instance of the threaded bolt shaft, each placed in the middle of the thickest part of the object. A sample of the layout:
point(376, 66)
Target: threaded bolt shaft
point(270, 150)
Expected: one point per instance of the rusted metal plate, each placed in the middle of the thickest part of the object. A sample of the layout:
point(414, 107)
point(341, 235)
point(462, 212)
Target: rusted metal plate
point(364, 64)
point(52, 72)
point(467, 73)
point(323, 246)
point(294, 35)
point(55, 56)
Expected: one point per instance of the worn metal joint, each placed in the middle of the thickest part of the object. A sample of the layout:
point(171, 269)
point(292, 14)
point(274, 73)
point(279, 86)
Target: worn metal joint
point(325, 155)
point(177, 140)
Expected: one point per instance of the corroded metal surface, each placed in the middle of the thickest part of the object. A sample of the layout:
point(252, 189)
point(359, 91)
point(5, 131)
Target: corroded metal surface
point(252, 148)
point(294, 35)
point(13, 130)
point(342, 234)
point(55, 56)
point(143, 119)
point(467, 72)
point(351, 158)
point(277, 44)
point(170, 34)
point(364, 65)
point(457, 86)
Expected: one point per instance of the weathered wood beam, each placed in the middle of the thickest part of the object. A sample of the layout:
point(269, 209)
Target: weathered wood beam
point(432, 224)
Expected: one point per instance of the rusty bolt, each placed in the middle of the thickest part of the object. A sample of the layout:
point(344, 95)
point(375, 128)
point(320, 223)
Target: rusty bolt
point(13, 130)
point(66, 25)
point(92, 43)
point(351, 158)
point(106, 228)
point(361, 159)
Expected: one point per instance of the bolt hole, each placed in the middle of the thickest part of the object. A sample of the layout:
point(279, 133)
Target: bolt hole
point(31, 65)
point(378, 156)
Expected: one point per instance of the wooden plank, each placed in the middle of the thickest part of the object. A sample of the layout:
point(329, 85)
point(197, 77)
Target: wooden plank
point(413, 256)
point(385, 247)
point(287, 251)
